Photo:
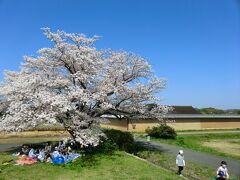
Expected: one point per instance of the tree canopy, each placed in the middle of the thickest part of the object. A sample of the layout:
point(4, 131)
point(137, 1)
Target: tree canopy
point(75, 84)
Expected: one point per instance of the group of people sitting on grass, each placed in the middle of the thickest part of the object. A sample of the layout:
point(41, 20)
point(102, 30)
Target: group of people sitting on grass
point(62, 153)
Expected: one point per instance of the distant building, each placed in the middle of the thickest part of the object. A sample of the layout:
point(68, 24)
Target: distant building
point(182, 118)
point(184, 110)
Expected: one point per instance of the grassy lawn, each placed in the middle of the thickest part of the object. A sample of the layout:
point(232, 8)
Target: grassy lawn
point(116, 166)
point(192, 170)
point(121, 166)
point(222, 144)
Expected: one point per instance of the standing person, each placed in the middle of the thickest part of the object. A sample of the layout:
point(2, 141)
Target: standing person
point(47, 149)
point(222, 172)
point(180, 162)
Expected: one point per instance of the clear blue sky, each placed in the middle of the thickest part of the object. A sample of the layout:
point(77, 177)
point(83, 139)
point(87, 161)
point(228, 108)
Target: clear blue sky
point(195, 44)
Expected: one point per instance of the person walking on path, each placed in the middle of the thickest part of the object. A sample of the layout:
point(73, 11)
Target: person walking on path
point(222, 172)
point(180, 162)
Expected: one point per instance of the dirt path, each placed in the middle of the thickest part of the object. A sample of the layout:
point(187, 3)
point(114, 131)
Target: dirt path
point(7, 147)
point(196, 157)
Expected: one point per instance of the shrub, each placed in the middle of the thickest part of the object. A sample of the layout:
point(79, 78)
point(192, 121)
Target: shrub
point(162, 131)
point(180, 141)
point(114, 140)
point(123, 140)
point(106, 146)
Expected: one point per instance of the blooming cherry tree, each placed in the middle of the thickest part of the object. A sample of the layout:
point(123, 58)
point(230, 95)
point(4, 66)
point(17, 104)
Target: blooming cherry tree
point(74, 84)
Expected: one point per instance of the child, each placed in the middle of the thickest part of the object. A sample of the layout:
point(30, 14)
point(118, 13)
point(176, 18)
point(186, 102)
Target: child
point(180, 162)
point(222, 172)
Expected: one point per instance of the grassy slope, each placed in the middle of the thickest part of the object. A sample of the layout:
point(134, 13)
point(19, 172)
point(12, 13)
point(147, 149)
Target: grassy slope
point(192, 170)
point(117, 166)
point(195, 142)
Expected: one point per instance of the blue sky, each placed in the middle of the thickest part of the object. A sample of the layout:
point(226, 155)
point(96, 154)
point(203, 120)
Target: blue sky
point(195, 44)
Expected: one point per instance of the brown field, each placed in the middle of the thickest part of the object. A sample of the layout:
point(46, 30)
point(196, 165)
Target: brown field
point(228, 146)
point(32, 137)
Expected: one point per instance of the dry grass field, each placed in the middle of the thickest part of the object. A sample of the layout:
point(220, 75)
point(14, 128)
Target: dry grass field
point(36, 134)
point(228, 146)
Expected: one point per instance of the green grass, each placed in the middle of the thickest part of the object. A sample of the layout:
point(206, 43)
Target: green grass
point(116, 166)
point(192, 170)
point(195, 142)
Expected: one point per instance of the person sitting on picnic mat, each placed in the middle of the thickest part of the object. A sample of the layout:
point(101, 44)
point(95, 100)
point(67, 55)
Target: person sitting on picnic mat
point(24, 150)
point(32, 153)
point(55, 153)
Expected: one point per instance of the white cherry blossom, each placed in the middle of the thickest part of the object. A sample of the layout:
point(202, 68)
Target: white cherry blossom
point(75, 84)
